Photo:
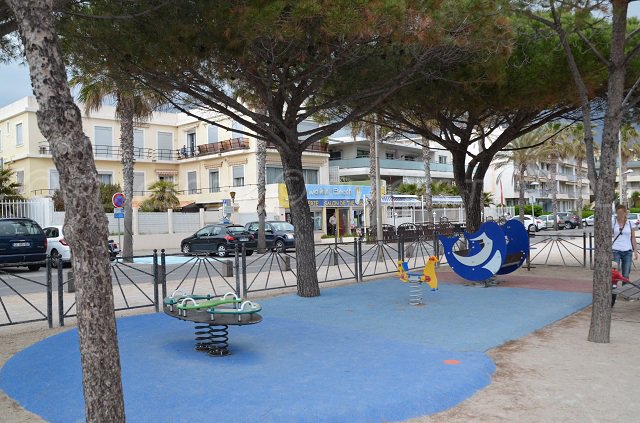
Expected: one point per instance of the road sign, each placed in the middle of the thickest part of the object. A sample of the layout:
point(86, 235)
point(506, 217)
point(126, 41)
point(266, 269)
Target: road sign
point(118, 199)
point(118, 213)
point(226, 202)
point(227, 210)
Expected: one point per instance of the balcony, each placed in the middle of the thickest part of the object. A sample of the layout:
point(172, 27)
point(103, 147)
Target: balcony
point(115, 152)
point(363, 162)
point(316, 147)
point(219, 147)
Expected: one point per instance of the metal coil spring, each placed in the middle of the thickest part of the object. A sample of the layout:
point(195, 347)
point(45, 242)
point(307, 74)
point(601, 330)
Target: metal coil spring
point(212, 338)
point(415, 293)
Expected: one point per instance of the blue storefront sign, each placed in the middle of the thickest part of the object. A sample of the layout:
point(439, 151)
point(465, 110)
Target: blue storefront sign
point(337, 195)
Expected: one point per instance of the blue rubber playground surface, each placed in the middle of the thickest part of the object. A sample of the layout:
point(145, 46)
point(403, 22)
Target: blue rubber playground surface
point(358, 353)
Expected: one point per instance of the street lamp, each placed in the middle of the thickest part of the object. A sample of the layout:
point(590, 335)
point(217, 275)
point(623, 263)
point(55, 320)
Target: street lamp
point(532, 200)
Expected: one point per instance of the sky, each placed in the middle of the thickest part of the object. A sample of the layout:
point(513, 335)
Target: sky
point(15, 84)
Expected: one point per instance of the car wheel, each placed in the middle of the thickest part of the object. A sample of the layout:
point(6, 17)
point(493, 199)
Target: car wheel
point(532, 228)
point(222, 250)
point(279, 246)
point(55, 256)
point(34, 267)
point(249, 252)
point(568, 225)
point(186, 249)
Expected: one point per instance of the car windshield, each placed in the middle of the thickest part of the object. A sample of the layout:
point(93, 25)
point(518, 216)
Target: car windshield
point(282, 226)
point(19, 227)
point(236, 229)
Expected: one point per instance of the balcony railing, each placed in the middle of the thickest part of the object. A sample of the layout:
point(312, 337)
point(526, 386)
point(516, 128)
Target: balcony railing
point(363, 162)
point(115, 152)
point(316, 147)
point(215, 148)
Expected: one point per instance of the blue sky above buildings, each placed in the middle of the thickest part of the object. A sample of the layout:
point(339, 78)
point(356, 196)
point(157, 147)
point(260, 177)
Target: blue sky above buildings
point(15, 83)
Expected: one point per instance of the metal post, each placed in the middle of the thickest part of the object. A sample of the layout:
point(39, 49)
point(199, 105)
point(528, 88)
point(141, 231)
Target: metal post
point(590, 250)
point(119, 236)
point(49, 295)
point(156, 280)
point(244, 270)
point(237, 270)
point(163, 273)
point(60, 292)
point(584, 249)
point(355, 258)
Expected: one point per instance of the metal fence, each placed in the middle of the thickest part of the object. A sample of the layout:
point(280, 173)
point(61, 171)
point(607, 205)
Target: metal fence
point(143, 281)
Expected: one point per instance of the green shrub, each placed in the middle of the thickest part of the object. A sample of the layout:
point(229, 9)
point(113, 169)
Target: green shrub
point(634, 210)
point(527, 210)
point(587, 213)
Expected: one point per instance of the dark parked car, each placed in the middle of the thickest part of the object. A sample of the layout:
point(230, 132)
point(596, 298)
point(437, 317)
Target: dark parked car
point(278, 234)
point(570, 219)
point(22, 243)
point(218, 239)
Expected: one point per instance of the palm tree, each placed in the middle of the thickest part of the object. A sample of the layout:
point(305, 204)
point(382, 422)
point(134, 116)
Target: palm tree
point(579, 153)
point(372, 133)
point(163, 197)
point(556, 149)
point(629, 149)
point(426, 159)
point(9, 187)
point(132, 104)
point(487, 199)
point(522, 155)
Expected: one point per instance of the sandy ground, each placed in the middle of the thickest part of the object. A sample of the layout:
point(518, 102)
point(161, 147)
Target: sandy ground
point(552, 375)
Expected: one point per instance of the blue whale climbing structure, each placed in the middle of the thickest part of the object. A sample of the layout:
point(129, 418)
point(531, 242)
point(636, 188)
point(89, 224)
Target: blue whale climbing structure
point(493, 250)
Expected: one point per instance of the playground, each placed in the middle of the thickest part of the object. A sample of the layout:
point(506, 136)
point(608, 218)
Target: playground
point(358, 352)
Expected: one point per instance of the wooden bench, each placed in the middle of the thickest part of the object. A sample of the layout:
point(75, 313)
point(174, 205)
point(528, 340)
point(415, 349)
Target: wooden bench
point(628, 290)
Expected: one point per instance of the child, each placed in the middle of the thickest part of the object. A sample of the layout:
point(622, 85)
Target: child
point(616, 277)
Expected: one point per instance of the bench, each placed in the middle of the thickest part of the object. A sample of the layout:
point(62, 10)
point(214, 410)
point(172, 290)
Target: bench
point(512, 259)
point(629, 290)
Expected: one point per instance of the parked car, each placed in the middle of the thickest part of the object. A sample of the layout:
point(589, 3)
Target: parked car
point(22, 243)
point(588, 221)
point(634, 218)
point(547, 219)
point(532, 225)
point(218, 239)
point(279, 235)
point(57, 247)
point(571, 219)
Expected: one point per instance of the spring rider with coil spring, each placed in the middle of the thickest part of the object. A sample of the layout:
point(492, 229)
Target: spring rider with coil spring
point(416, 279)
point(212, 317)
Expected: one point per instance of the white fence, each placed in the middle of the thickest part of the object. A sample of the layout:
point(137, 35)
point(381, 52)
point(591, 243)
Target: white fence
point(457, 214)
point(38, 209)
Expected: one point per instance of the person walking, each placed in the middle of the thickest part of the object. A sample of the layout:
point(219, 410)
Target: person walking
point(332, 223)
point(624, 246)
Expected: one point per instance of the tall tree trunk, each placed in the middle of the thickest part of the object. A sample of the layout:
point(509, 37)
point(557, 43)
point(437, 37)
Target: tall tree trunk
point(470, 189)
point(428, 197)
point(126, 107)
point(261, 158)
point(599, 331)
point(522, 168)
point(85, 222)
point(302, 221)
point(580, 202)
point(553, 177)
point(373, 207)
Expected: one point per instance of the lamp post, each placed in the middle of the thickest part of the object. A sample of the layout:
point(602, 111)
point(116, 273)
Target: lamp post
point(532, 198)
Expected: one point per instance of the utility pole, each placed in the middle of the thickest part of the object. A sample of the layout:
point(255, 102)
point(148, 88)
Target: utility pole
point(378, 183)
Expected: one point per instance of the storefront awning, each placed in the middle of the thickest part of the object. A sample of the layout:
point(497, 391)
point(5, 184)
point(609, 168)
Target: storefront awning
point(166, 172)
point(446, 199)
point(401, 200)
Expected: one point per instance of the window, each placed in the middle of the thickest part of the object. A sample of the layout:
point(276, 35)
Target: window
point(362, 153)
point(54, 179)
point(51, 232)
point(105, 178)
point(390, 156)
point(20, 181)
point(442, 159)
point(191, 143)
point(165, 145)
point(19, 227)
point(206, 231)
point(192, 182)
point(235, 127)
point(214, 181)
point(238, 176)
point(217, 230)
point(138, 143)
point(310, 176)
point(410, 158)
point(254, 227)
point(19, 140)
point(103, 141)
point(275, 175)
point(212, 133)
point(167, 178)
point(335, 155)
point(138, 183)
